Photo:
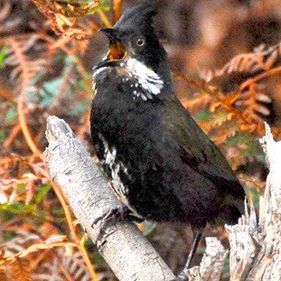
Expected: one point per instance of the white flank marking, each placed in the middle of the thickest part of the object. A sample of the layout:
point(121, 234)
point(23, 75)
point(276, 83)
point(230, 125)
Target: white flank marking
point(115, 167)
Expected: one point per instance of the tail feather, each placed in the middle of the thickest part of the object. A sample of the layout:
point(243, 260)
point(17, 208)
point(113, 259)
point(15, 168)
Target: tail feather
point(229, 214)
point(233, 206)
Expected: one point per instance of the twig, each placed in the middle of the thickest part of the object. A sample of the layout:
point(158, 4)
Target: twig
point(24, 127)
point(116, 9)
point(104, 18)
point(14, 132)
point(268, 73)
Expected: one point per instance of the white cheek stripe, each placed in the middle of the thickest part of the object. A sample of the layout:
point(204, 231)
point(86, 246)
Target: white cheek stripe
point(146, 77)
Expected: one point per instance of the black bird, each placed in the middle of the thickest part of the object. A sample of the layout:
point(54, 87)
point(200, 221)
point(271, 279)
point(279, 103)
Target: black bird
point(162, 166)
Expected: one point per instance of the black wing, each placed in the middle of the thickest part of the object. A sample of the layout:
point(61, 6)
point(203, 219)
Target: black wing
point(199, 151)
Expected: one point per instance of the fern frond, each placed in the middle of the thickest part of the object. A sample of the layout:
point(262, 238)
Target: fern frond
point(64, 15)
point(75, 265)
point(18, 270)
point(24, 68)
point(197, 104)
point(245, 74)
point(251, 63)
point(63, 266)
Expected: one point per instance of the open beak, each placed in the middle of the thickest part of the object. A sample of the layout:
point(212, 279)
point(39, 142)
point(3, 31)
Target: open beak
point(116, 52)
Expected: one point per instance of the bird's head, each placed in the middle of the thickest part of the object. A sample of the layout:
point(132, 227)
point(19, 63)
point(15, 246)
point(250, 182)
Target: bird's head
point(133, 38)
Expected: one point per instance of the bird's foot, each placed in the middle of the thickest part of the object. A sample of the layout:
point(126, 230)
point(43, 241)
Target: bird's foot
point(113, 216)
point(182, 277)
point(110, 218)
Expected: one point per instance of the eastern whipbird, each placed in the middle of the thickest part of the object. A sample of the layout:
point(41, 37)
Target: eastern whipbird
point(161, 164)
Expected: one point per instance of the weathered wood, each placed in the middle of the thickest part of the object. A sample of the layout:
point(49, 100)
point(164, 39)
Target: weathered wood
point(256, 244)
point(211, 266)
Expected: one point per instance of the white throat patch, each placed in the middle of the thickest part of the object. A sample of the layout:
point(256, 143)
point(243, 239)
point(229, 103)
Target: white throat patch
point(146, 78)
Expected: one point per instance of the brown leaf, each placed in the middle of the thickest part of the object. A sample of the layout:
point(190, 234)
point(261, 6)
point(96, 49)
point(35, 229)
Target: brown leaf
point(18, 270)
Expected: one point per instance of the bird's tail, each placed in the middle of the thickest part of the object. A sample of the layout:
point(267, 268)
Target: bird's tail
point(234, 204)
point(229, 214)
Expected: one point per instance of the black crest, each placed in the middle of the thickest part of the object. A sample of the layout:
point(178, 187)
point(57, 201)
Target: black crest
point(140, 16)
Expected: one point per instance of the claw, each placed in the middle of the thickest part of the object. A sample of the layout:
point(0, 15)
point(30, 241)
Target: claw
point(113, 216)
point(110, 218)
point(181, 277)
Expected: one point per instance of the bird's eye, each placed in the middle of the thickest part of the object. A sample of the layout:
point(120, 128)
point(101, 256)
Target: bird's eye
point(140, 41)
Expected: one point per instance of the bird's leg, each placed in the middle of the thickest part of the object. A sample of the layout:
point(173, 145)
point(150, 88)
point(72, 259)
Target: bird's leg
point(113, 216)
point(197, 234)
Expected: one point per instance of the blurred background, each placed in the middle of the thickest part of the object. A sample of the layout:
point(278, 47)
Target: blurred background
point(226, 62)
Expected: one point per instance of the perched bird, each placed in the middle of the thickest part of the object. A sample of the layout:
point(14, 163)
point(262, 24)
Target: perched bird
point(162, 165)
